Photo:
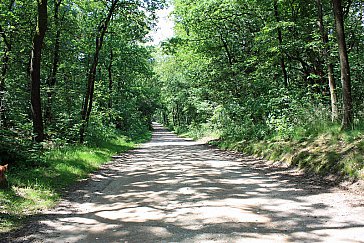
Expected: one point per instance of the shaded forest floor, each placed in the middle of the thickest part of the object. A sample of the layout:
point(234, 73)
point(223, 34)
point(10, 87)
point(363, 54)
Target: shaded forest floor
point(173, 189)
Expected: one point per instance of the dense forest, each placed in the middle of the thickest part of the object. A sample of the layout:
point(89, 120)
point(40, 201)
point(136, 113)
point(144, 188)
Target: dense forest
point(257, 67)
point(77, 86)
point(271, 78)
point(73, 71)
point(79, 72)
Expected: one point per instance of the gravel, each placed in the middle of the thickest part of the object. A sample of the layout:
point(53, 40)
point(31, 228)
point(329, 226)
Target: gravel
point(177, 190)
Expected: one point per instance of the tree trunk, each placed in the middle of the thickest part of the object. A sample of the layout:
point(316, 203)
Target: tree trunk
point(347, 121)
point(53, 79)
point(228, 53)
point(4, 70)
point(35, 63)
point(333, 96)
point(280, 41)
point(87, 105)
point(109, 70)
point(5, 59)
point(330, 68)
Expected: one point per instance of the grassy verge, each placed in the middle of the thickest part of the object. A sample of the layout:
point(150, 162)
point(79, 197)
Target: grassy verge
point(37, 188)
point(322, 149)
point(329, 153)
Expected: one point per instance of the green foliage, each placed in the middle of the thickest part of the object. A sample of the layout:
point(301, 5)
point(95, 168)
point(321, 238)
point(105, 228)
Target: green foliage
point(223, 74)
point(326, 153)
point(39, 187)
point(124, 97)
point(17, 150)
point(124, 75)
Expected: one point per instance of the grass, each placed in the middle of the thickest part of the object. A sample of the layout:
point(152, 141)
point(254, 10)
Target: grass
point(334, 152)
point(37, 188)
point(320, 148)
point(202, 131)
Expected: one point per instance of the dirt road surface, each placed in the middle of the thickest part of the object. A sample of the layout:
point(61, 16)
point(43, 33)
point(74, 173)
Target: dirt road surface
point(177, 190)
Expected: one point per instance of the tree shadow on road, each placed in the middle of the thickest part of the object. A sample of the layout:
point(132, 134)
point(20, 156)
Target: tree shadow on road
point(174, 190)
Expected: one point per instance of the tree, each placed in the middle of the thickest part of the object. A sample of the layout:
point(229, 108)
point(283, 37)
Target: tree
point(252, 37)
point(35, 74)
point(330, 66)
point(67, 47)
point(347, 120)
point(4, 67)
point(87, 105)
point(280, 41)
point(52, 79)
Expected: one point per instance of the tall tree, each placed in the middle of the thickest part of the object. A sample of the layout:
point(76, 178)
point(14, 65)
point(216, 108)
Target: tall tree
point(344, 64)
point(35, 73)
point(109, 70)
point(280, 41)
point(4, 68)
point(87, 105)
point(330, 66)
point(52, 79)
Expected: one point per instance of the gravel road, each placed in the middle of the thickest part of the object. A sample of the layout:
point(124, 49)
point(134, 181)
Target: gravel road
point(176, 190)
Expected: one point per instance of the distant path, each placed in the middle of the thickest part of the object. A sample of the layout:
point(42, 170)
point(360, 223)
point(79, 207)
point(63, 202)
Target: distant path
point(176, 190)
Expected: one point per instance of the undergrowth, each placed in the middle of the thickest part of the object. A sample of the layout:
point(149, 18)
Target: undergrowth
point(39, 186)
point(330, 152)
point(318, 146)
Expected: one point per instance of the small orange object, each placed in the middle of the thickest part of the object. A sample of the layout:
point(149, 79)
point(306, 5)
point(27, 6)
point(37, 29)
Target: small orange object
point(3, 181)
point(3, 168)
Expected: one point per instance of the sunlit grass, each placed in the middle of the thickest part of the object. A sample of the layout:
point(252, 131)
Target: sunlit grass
point(203, 131)
point(321, 147)
point(325, 150)
point(37, 188)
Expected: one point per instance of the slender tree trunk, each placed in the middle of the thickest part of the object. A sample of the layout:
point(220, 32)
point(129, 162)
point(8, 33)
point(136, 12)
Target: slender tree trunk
point(165, 119)
point(109, 70)
point(280, 41)
point(330, 68)
point(174, 116)
point(347, 121)
point(333, 96)
point(35, 63)
point(4, 70)
point(177, 114)
point(5, 59)
point(88, 100)
point(227, 50)
point(51, 82)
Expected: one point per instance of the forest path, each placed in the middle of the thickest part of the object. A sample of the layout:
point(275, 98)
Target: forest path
point(176, 190)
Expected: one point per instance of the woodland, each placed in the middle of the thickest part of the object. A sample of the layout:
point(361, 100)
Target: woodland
point(74, 71)
point(80, 81)
point(277, 79)
point(76, 86)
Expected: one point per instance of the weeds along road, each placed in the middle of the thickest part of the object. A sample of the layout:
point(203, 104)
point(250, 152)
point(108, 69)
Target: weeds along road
point(176, 190)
